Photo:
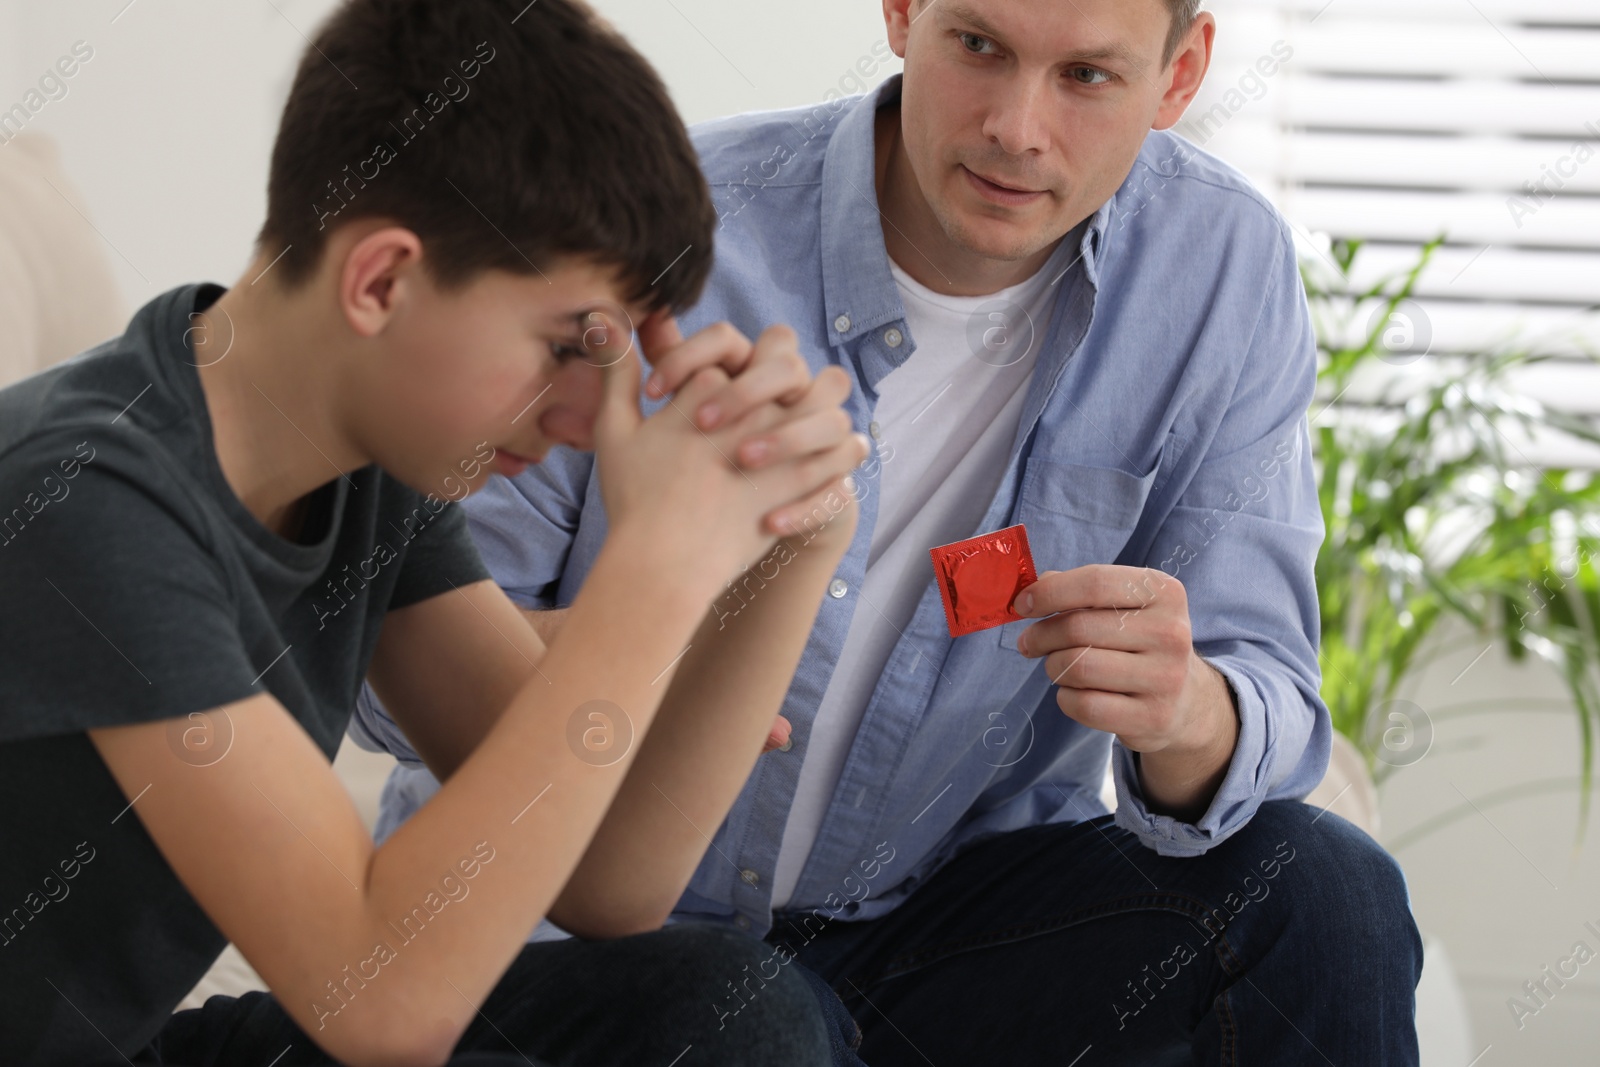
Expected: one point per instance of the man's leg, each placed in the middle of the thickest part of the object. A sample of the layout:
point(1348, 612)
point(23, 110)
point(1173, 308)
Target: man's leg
point(1290, 943)
point(688, 994)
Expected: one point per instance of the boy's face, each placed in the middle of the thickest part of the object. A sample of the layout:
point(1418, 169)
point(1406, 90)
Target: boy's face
point(1047, 97)
point(507, 363)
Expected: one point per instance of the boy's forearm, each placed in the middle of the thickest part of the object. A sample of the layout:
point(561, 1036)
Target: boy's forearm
point(546, 622)
point(710, 730)
point(523, 792)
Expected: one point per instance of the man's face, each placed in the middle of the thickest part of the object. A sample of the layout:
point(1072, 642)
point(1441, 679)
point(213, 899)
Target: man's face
point(1020, 118)
point(510, 364)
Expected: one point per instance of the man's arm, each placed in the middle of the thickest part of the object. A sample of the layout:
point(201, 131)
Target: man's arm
point(1229, 595)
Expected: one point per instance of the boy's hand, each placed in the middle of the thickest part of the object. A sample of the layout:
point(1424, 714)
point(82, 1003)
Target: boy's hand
point(676, 360)
point(771, 371)
point(660, 475)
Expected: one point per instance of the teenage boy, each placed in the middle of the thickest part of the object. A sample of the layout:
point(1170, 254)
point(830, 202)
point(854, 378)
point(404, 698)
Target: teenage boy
point(218, 524)
point(1054, 314)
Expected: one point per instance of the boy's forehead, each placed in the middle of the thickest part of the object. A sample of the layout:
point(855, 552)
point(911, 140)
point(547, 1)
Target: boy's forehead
point(568, 291)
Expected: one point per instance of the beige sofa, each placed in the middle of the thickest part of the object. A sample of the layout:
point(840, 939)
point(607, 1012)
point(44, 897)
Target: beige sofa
point(57, 295)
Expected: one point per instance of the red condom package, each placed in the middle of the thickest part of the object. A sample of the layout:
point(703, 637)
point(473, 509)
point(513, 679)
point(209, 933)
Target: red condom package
point(980, 577)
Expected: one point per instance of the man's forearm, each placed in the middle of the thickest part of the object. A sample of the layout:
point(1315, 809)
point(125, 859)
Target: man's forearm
point(707, 735)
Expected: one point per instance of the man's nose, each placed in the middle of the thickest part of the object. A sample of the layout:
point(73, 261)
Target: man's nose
point(1018, 120)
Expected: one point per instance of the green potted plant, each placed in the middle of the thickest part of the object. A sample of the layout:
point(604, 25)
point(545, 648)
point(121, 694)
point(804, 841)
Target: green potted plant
point(1435, 511)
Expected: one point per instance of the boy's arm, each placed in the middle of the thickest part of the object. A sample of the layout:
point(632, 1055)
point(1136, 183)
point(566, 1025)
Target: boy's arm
point(448, 667)
point(269, 844)
point(717, 711)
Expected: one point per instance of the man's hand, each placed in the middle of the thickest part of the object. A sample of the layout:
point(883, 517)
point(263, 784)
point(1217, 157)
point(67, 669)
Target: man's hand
point(1117, 641)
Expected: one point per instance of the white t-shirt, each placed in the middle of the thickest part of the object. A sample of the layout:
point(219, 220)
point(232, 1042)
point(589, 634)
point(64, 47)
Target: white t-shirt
point(946, 419)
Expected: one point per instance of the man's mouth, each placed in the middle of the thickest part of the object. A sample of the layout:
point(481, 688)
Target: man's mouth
point(1008, 186)
point(999, 191)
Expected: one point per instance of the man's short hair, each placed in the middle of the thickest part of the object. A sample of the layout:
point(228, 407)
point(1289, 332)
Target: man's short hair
point(1183, 15)
point(502, 139)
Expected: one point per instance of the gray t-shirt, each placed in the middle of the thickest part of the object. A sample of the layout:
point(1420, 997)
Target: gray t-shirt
point(134, 586)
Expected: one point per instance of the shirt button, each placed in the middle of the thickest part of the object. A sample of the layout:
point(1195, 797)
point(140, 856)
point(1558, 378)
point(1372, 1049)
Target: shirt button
point(787, 744)
point(742, 922)
point(876, 431)
point(750, 877)
point(838, 588)
point(893, 337)
point(842, 323)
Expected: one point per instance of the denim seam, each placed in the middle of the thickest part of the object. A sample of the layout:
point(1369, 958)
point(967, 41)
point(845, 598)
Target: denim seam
point(1229, 1052)
point(905, 964)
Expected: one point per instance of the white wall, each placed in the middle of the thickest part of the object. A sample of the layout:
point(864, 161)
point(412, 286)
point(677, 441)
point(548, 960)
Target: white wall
point(168, 129)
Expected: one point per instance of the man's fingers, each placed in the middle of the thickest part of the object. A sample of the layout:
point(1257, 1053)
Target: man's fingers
point(1115, 628)
point(1091, 667)
point(1100, 585)
point(1114, 713)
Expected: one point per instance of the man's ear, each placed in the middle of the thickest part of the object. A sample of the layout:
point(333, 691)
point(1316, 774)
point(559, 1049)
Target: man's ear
point(379, 269)
point(1187, 70)
point(897, 18)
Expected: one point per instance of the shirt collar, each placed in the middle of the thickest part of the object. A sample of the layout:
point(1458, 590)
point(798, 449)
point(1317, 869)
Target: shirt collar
point(858, 291)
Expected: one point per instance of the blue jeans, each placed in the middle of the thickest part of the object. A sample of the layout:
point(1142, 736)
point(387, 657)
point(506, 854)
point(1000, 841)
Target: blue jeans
point(650, 1000)
point(1292, 942)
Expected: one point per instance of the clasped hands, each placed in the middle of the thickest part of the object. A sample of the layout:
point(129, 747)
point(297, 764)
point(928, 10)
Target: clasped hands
point(759, 406)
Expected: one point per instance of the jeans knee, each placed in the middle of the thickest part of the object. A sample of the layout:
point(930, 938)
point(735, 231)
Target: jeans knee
point(753, 999)
point(1350, 887)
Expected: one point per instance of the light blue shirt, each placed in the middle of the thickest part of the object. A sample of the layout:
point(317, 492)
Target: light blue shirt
point(1164, 426)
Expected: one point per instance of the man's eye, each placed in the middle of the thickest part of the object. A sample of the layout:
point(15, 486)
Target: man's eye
point(1090, 76)
point(564, 353)
point(967, 40)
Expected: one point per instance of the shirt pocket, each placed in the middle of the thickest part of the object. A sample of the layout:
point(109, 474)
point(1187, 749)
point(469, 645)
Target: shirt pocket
point(1077, 515)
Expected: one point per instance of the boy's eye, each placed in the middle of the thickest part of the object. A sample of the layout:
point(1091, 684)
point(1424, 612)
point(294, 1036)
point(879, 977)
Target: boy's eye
point(1087, 76)
point(565, 353)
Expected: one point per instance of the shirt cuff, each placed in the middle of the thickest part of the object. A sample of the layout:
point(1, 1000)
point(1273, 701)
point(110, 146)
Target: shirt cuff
point(1237, 798)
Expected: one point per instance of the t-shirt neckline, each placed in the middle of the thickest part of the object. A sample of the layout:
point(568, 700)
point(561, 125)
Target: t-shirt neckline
point(177, 363)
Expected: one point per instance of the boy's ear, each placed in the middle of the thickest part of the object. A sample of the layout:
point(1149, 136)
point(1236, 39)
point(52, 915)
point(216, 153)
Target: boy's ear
point(378, 269)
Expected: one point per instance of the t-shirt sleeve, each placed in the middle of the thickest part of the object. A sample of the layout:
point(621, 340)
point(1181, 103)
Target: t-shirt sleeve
point(113, 606)
point(442, 557)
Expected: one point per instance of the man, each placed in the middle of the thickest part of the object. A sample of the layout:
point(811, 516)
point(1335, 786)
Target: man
point(1059, 315)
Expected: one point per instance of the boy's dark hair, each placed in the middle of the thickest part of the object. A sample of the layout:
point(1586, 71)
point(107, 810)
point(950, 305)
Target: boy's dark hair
point(502, 139)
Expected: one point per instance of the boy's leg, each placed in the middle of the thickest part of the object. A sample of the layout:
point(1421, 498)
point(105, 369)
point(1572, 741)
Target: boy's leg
point(684, 995)
point(1291, 942)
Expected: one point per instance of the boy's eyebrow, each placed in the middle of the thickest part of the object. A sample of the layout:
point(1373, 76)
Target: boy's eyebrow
point(1114, 50)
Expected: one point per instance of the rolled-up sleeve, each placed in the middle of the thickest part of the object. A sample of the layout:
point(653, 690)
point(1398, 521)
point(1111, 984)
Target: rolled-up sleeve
point(524, 529)
point(1243, 539)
